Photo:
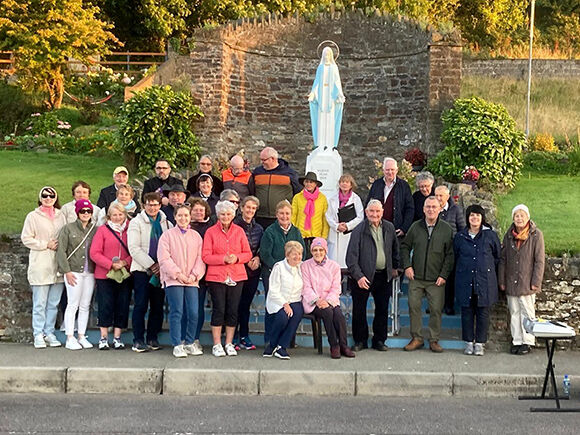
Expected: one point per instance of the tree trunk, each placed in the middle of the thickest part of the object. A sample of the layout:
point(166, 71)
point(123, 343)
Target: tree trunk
point(55, 87)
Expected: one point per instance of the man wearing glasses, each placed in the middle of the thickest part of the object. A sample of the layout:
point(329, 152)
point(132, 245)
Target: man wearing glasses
point(274, 181)
point(205, 167)
point(162, 176)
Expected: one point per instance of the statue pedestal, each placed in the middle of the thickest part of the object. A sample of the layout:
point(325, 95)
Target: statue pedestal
point(327, 164)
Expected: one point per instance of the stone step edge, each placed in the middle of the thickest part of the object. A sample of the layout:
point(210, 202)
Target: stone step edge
point(176, 381)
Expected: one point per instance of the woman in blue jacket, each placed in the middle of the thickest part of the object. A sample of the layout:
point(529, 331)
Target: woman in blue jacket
point(477, 252)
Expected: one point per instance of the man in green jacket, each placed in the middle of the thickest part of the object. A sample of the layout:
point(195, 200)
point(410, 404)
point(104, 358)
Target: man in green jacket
point(431, 241)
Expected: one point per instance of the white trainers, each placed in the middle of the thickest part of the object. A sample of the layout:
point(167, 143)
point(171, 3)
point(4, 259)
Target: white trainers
point(218, 350)
point(39, 342)
point(468, 348)
point(86, 344)
point(190, 349)
point(73, 344)
point(230, 350)
point(478, 349)
point(196, 344)
point(179, 351)
point(52, 341)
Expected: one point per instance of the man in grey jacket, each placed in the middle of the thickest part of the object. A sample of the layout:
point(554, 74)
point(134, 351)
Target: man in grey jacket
point(372, 259)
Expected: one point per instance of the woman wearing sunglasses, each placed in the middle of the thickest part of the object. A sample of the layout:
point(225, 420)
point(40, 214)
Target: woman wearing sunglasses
point(74, 263)
point(39, 234)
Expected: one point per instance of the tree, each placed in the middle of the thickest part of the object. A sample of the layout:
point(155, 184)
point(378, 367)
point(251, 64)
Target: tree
point(44, 34)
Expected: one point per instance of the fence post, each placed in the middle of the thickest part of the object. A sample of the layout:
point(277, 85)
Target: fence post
point(128, 60)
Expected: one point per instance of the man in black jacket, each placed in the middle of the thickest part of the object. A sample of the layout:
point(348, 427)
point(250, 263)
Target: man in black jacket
point(372, 259)
point(394, 194)
point(162, 176)
point(109, 194)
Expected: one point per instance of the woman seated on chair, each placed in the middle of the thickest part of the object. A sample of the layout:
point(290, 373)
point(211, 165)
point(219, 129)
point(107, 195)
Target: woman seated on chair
point(320, 296)
point(283, 302)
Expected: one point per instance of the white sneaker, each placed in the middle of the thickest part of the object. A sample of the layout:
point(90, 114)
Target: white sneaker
point(231, 350)
point(72, 344)
point(52, 341)
point(85, 343)
point(179, 351)
point(468, 348)
point(218, 350)
point(190, 349)
point(39, 342)
point(478, 349)
point(197, 345)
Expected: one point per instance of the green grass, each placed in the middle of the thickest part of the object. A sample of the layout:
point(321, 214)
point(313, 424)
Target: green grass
point(23, 174)
point(555, 102)
point(553, 201)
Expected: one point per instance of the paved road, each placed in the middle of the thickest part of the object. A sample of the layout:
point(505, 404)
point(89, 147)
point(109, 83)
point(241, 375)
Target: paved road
point(67, 414)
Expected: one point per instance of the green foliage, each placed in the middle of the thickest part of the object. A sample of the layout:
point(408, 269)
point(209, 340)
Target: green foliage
point(101, 142)
point(542, 161)
point(43, 34)
point(558, 24)
point(481, 134)
point(157, 122)
point(15, 107)
point(543, 142)
point(574, 160)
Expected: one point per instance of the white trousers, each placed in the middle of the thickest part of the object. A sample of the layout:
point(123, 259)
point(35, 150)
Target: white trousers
point(79, 298)
point(520, 307)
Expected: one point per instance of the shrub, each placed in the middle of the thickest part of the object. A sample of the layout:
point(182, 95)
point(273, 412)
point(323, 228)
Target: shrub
point(481, 134)
point(543, 142)
point(157, 122)
point(15, 108)
point(100, 142)
point(574, 160)
point(416, 157)
point(543, 161)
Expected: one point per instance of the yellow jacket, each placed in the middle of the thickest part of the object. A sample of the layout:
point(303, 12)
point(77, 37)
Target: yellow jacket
point(319, 227)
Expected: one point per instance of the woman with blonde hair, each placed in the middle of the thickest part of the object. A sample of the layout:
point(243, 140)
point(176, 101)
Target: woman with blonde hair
point(125, 197)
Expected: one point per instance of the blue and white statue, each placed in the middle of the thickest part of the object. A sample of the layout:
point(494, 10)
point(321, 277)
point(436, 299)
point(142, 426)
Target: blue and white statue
point(326, 102)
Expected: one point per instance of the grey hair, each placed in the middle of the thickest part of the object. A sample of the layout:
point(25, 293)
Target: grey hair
point(248, 199)
point(374, 202)
point(271, 152)
point(228, 193)
point(390, 159)
point(224, 206)
point(205, 156)
point(424, 176)
point(443, 187)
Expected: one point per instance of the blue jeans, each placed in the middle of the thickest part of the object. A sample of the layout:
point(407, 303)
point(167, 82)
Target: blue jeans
point(147, 296)
point(45, 300)
point(182, 298)
point(202, 291)
point(282, 327)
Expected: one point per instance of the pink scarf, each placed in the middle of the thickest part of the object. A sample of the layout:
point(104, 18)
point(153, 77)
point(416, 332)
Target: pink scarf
point(49, 211)
point(343, 198)
point(309, 209)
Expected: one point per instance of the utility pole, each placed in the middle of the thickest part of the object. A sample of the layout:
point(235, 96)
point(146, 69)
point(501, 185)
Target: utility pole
point(532, 9)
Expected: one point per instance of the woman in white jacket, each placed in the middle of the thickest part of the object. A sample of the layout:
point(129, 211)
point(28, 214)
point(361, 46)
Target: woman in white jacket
point(339, 234)
point(40, 235)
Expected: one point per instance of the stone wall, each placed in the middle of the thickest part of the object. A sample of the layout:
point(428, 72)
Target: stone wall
point(518, 68)
point(252, 79)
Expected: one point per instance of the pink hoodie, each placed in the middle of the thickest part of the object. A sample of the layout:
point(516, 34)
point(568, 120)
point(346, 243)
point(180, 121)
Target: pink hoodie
point(321, 281)
point(180, 252)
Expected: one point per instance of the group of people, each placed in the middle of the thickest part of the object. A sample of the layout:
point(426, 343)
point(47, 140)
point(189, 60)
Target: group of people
point(223, 234)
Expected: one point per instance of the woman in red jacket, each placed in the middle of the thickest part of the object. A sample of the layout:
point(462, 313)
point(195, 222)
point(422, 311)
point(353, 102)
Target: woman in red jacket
point(225, 251)
point(112, 261)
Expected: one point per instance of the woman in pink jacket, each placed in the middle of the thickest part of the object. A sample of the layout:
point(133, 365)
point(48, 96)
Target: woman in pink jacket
point(320, 296)
point(225, 251)
point(110, 253)
point(181, 268)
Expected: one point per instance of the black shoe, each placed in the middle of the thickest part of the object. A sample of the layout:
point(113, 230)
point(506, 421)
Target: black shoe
point(515, 349)
point(139, 347)
point(153, 345)
point(359, 346)
point(524, 349)
point(381, 347)
point(269, 351)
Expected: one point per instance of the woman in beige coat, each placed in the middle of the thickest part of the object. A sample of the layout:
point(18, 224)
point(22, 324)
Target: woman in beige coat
point(521, 269)
point(40, 235)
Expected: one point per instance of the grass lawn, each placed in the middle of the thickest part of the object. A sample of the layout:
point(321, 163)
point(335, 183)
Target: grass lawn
point(22, 174)
point(555, 102)
point(553, 201)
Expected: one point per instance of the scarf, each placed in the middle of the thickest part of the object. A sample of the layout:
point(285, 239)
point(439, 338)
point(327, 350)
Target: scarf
point(118, 228)
point(154, 236)
point(343, 198)
point(129, 207)
point(48, 211)
point(522, 235)
point(309, 208)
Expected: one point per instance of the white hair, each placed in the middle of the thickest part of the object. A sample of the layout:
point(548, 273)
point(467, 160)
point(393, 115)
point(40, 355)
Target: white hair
point(229, 193)
point(374, 202)
point(390, 159)
point(222, 206)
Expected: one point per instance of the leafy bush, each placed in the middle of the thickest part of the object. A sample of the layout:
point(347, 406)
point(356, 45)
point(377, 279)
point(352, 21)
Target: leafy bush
point(574, 160)
point(481, 134)
point(100, 142)
point(543, 161)
point(15, 107)
point(543, 142)
point(155, 123)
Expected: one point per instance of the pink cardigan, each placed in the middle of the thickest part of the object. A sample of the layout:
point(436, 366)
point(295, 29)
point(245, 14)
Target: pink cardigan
point(216, 244)
point(104, 247)
point(180, 252)
point(321, 281)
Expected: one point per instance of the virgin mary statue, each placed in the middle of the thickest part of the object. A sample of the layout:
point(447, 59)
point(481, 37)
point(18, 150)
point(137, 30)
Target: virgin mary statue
point(326, 102)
